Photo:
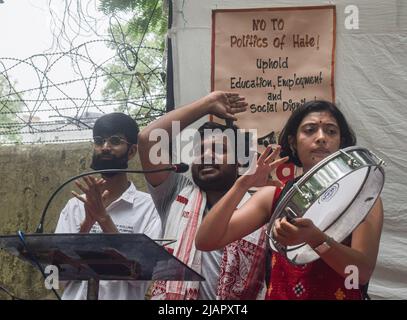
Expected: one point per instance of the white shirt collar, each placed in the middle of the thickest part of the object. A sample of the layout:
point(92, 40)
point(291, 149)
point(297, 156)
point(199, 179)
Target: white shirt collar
point(129, 195)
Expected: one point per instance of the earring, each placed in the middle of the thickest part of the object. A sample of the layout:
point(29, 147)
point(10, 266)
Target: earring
point(292, 150)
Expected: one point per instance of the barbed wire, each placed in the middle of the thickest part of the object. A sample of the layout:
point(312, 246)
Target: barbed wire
point(67, 87)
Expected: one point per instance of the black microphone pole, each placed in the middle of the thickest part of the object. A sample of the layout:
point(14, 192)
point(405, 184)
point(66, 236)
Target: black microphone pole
point(179, 168)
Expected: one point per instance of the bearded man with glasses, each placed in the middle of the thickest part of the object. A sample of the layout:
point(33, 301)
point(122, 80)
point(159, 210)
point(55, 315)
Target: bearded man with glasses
point(110, 204)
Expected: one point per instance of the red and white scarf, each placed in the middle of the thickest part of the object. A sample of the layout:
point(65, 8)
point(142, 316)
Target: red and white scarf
point(242, 267)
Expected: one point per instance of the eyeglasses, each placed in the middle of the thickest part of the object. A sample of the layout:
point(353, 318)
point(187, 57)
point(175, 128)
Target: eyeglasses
point(112, 140)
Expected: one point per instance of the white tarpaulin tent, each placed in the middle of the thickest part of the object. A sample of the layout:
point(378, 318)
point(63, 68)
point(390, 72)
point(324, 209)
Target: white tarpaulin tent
point(371, 89)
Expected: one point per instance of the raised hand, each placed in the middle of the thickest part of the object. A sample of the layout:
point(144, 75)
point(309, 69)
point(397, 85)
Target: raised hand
point(266, 163)
point(93, 198)
point(226, 104)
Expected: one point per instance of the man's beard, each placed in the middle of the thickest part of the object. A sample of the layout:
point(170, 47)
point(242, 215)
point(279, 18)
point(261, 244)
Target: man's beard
point(222, 182)
point(113, 163)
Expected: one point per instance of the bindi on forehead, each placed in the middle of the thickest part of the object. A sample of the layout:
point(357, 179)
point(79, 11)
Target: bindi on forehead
point(320, 118)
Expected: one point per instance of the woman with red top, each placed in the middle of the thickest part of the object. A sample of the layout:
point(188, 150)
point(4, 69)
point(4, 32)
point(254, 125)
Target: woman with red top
point(313, 132)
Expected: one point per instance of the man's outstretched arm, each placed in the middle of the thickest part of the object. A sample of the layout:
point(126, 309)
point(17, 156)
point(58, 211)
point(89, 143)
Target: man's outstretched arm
point(221, 104)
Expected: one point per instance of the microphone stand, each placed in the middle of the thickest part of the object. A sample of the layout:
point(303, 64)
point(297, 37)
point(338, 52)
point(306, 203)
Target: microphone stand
point(93, 284)
point(40, 226)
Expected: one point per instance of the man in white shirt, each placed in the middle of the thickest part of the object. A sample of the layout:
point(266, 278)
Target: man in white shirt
point(110, 204)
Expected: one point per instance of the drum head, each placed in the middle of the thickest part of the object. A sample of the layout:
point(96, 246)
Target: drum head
point(339, 208)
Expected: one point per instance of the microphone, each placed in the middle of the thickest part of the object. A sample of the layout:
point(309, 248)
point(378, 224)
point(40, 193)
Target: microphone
point(181, 167)
point(178, 168)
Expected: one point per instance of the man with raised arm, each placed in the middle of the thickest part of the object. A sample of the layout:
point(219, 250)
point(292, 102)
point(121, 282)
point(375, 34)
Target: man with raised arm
point(235, 271)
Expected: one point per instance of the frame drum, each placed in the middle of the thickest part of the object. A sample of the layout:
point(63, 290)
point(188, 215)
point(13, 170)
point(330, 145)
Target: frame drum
point(336, 194)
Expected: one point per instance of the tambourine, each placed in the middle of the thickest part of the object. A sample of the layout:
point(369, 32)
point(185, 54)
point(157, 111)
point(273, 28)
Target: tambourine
point(336, 194)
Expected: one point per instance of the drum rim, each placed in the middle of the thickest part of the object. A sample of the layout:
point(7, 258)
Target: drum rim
point(344, 210)
point(315, 168)
point(305, 178)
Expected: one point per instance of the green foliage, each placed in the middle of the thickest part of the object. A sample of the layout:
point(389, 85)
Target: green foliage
point(137, 74)
point(8, 107)
point(148, 13)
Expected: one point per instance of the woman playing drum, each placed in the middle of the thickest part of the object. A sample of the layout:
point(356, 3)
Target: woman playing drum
point(314, 131)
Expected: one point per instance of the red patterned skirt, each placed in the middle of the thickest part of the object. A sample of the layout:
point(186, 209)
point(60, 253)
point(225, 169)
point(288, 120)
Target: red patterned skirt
point(312, 281)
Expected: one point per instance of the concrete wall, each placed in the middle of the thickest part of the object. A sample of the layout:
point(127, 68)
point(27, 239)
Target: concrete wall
point(29, 175)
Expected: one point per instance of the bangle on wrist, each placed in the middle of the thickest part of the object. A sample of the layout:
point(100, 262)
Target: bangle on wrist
point(324, 246)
